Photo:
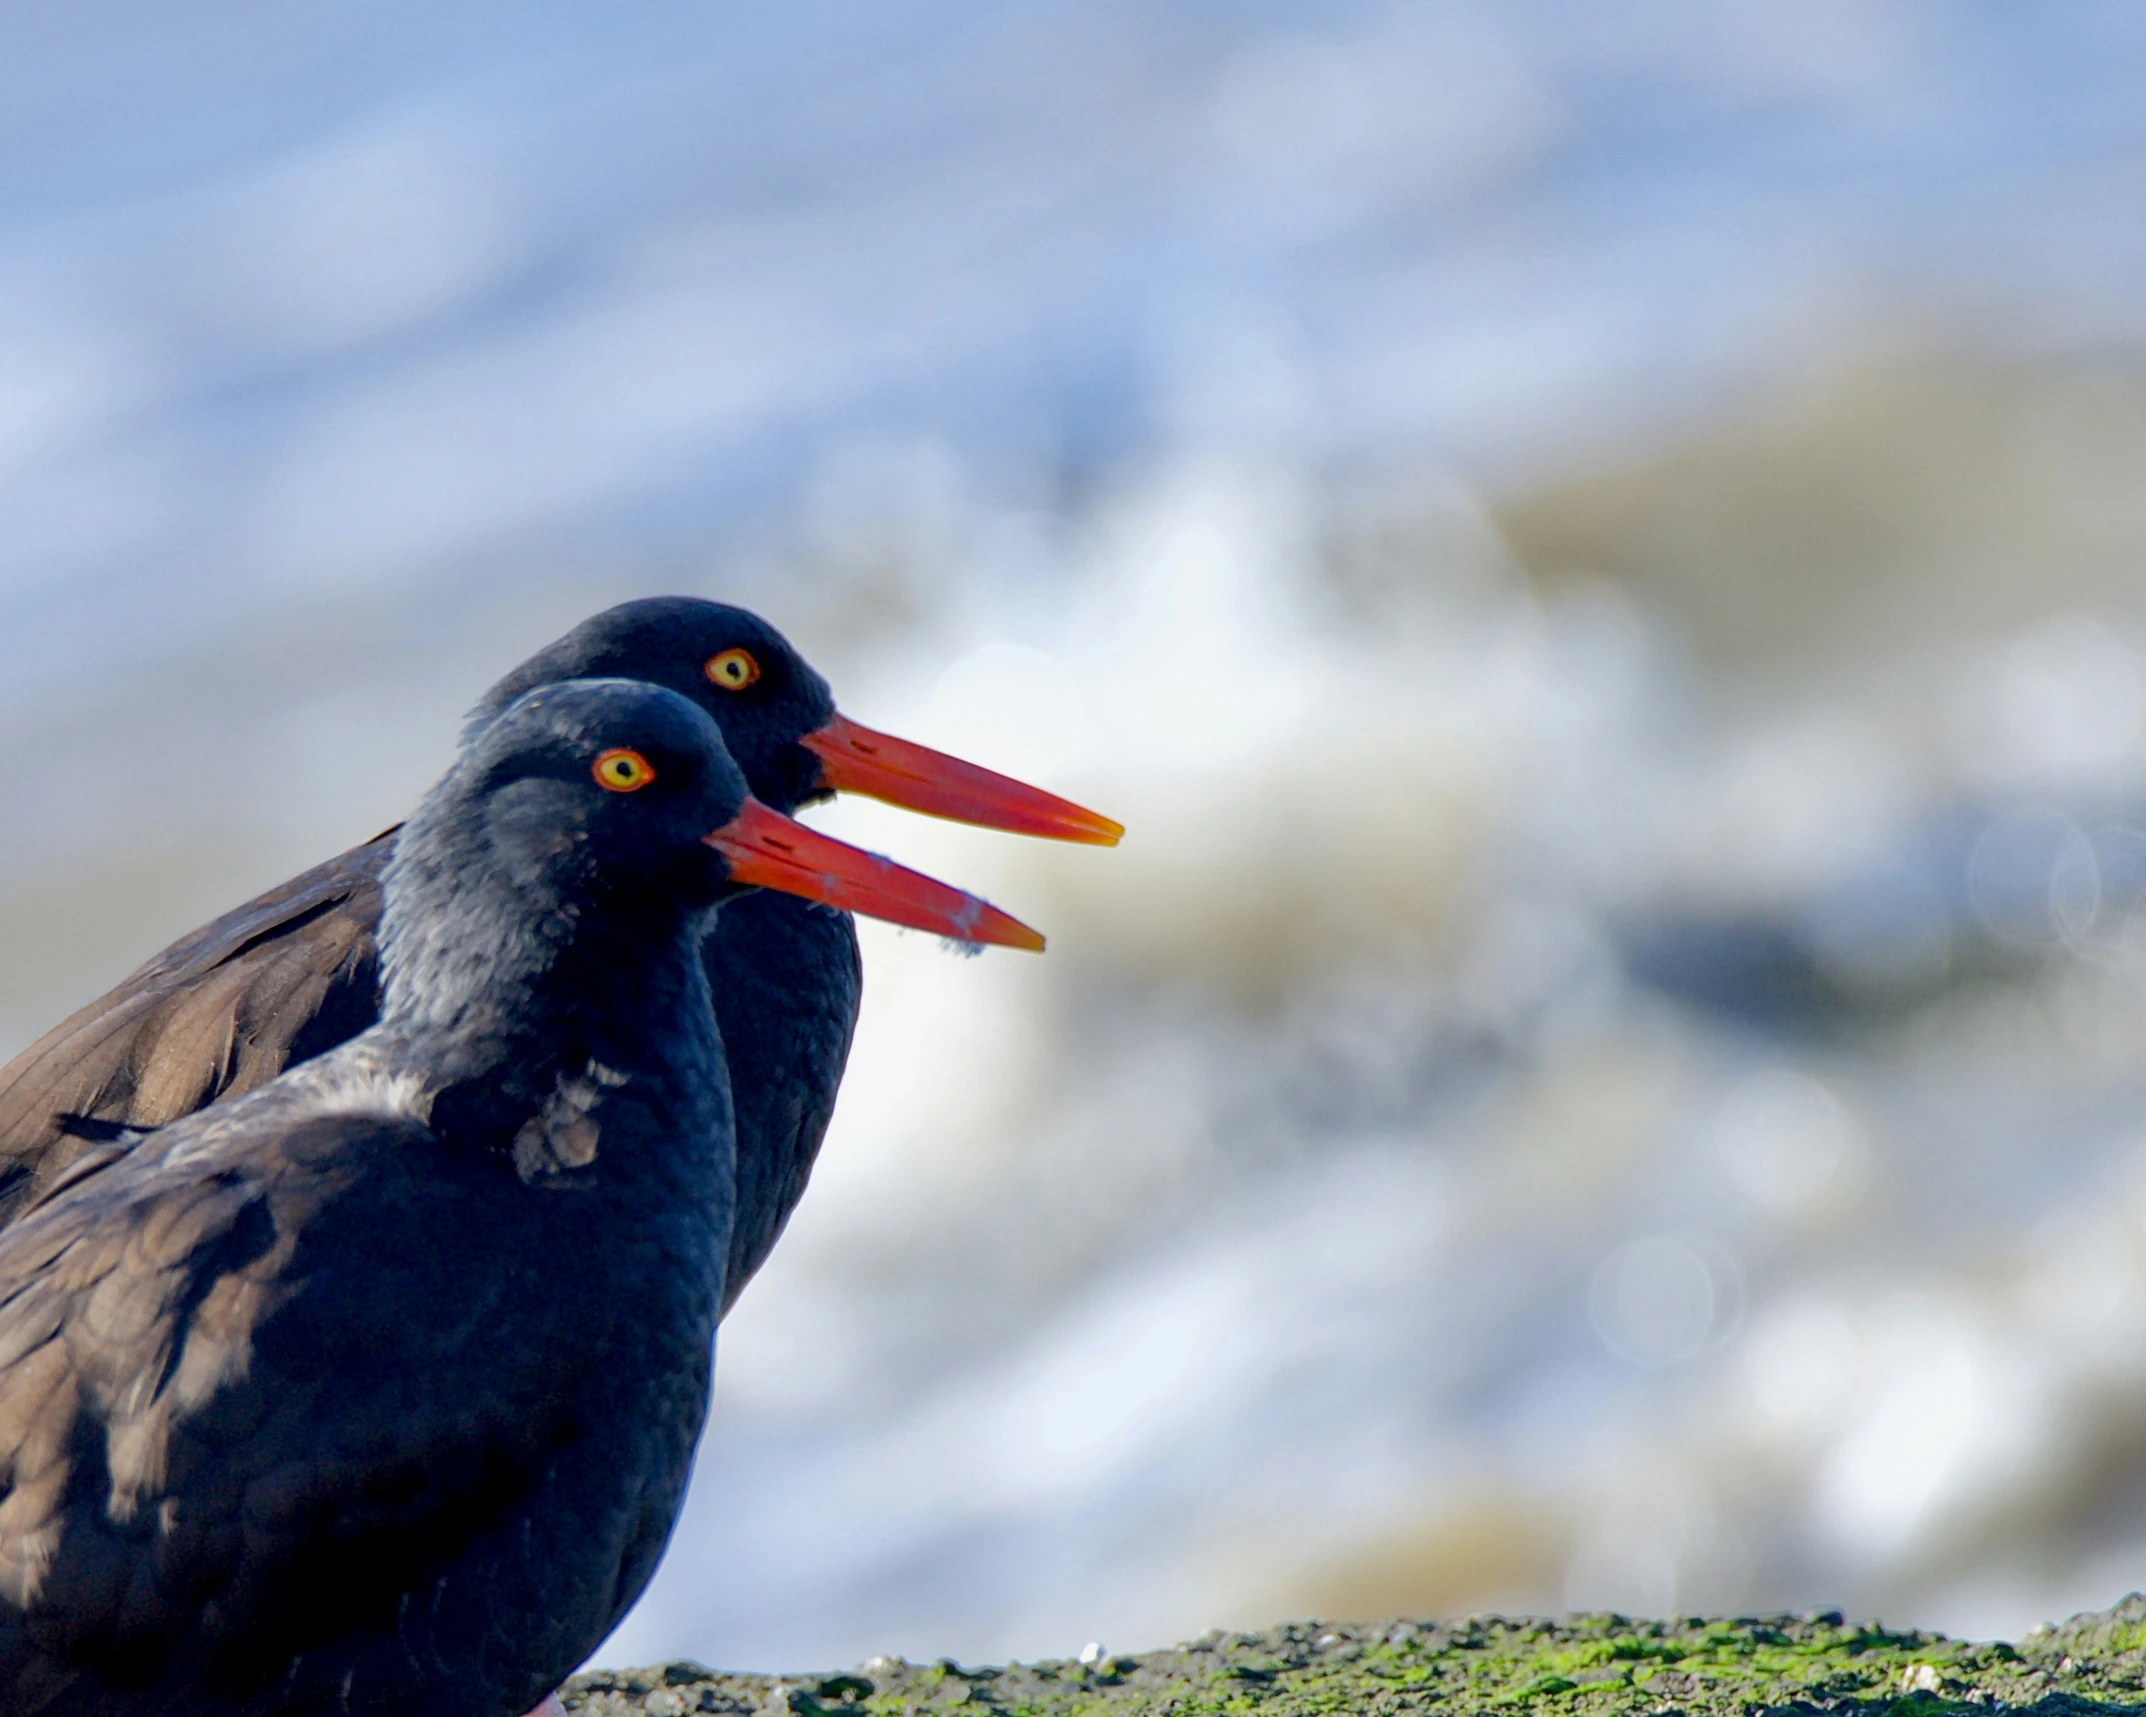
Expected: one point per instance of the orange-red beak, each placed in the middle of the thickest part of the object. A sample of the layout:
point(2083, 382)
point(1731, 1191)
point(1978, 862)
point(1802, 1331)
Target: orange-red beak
point(854, 759)
point(767, 850)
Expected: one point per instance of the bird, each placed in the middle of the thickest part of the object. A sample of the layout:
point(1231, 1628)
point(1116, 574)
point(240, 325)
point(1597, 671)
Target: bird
point(374, 1390)
point(295, 971)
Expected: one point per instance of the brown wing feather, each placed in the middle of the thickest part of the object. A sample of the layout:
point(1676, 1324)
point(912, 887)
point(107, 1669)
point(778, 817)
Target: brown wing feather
point(218, 1013)
point(251, 1401)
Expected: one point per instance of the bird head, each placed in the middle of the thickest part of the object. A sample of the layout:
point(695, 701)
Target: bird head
point(779, 719)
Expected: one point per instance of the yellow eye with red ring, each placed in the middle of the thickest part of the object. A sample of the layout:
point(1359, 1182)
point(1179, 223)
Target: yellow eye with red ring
point(622, 771)
point(733, 670)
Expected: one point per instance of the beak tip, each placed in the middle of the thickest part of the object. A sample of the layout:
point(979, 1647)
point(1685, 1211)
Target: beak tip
point(1003, 930)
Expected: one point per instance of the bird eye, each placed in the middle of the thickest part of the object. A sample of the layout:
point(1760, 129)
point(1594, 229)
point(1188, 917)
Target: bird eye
point(733, 670)
point(623, 771)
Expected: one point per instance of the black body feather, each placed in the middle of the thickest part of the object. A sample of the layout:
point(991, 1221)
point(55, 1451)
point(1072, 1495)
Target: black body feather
point(375, 1390)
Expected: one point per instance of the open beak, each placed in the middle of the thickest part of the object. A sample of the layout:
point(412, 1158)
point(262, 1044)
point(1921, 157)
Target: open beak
point(767, 850)
point(854, 759)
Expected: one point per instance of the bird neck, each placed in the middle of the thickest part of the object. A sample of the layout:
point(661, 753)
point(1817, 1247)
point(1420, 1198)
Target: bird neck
point(583, 1051)
point(501, 981)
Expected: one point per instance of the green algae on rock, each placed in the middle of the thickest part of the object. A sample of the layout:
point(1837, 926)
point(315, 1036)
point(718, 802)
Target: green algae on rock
point(1574, 1666)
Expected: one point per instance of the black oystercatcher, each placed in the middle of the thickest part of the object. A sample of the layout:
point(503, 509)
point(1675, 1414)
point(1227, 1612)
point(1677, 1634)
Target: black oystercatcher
point(375, 1390)
point(294, 971)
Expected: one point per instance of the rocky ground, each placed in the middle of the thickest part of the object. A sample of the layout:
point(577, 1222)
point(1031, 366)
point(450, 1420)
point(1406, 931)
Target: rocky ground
point(1578, 1665)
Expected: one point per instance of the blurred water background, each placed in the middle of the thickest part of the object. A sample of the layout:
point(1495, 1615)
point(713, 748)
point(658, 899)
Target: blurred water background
point(1597, 549)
